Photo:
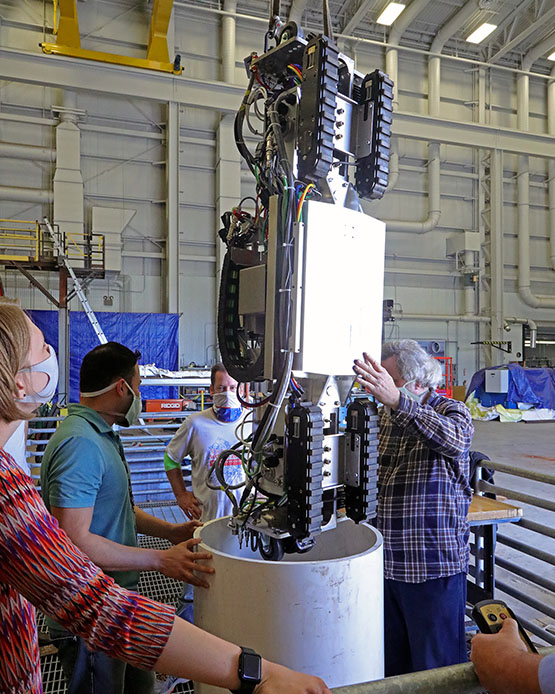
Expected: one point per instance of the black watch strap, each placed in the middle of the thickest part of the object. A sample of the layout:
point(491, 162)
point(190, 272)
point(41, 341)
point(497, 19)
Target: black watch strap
point(249, 671)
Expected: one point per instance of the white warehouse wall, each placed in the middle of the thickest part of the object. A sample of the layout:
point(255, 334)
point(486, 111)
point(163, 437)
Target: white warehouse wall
point(123, 164)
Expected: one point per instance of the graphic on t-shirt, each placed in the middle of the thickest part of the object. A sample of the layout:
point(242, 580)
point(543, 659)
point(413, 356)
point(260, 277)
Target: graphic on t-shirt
point(233, 470)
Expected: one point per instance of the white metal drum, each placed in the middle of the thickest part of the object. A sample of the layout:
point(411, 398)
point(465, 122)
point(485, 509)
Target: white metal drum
point(319, 613)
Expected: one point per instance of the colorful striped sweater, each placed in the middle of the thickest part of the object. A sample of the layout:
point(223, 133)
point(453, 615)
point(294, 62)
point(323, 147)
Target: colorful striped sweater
point(41, 567)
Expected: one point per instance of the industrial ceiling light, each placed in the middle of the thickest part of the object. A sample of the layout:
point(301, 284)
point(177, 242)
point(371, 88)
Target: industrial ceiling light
point(390, 13)
point(552, 56)
point(482, 32)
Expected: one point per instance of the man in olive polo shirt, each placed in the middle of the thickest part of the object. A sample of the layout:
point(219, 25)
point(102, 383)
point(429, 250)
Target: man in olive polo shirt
point(86, 486)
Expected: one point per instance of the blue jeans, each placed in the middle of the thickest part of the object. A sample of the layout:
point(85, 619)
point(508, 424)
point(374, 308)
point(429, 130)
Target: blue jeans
point(424, 624)
point(90, 672)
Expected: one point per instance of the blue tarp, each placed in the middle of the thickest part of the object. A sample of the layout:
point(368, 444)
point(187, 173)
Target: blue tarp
point(155, 335)
point(534, 386)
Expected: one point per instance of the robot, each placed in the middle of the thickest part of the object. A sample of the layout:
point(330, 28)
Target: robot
point(302, 285)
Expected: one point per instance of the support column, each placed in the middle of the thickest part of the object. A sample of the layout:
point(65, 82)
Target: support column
point(481, 95)
point(69, 212)
point(480, 329)
point(63, 338)
point(69, 215)
point(496, 260)
point(228, 185)
point(172, 209)
point(228, 42)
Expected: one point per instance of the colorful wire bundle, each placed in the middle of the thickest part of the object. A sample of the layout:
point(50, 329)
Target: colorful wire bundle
point(296, 70)
point(302, 198)
point(296, 387)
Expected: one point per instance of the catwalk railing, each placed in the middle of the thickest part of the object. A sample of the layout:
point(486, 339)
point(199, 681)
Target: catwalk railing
point(455, 679)
point(521, 579)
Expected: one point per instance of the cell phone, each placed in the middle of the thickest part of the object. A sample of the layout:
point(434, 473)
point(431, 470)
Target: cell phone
point(489, 615)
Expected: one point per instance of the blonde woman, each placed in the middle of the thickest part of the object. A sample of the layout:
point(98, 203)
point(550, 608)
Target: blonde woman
point(40, 567)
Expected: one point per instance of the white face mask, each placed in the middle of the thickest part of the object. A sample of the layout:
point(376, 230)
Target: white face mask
point(226, 406)
point(133, 412)
point(228, 399)
point(410, 394)
point(50, 367)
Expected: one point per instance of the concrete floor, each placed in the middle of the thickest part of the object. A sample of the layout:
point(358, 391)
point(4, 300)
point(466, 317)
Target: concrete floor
point(530, 447)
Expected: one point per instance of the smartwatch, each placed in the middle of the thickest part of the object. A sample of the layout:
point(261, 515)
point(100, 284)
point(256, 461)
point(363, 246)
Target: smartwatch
point(249, 671)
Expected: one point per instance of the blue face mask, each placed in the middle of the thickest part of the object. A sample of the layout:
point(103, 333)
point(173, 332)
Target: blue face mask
point(227, 414)
point(410, 394)
point(227, 407)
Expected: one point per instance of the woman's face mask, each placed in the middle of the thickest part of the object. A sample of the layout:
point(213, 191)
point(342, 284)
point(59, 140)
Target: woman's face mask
point(50, 367)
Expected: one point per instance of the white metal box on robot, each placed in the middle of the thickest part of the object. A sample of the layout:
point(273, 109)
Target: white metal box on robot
point(341, 295)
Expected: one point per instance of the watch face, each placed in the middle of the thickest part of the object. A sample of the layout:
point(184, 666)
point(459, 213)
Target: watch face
point(252, 668)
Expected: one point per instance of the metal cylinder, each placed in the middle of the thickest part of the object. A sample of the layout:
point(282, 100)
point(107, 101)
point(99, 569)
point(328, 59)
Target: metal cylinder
point(320, 612)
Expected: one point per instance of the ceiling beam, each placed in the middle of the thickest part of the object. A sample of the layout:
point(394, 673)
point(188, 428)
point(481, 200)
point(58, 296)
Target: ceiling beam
point(469, 134)
point(537, 51)
point(70, 73)
point(540, 22)
point(92, 76)
point(358, 16)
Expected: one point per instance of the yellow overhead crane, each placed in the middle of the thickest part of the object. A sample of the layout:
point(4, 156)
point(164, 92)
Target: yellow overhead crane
point(157, 57)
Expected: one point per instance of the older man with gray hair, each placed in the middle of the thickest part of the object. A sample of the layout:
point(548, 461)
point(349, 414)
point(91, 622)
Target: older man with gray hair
point(423, 500)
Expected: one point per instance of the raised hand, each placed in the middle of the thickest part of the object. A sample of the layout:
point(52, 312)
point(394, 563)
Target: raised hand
point(377, 381)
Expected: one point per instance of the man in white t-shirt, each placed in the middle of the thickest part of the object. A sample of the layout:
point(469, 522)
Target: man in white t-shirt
point(202, 437)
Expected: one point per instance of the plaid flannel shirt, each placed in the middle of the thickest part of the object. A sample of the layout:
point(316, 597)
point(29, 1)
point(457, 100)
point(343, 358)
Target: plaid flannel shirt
point(424, 489)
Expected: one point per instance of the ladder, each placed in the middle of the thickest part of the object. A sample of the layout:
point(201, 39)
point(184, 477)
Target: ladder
point(77, 285)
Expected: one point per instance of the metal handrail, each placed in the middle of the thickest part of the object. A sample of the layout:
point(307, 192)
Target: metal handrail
point(455, 679)
point(526, 599)
point(67, 247)
point(144, 450)
point(546, 477)
point(537, 630)
point(144, 415)
point(30, 239)
point(525, 547)
point(525, 573)
point(24, 244)
point(518, 496)
point(537, 527)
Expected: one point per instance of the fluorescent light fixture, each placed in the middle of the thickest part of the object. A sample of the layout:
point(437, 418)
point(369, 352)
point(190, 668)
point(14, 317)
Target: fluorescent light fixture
point(483, 31)
point(552, 56)
point(390, 13)
point(540, 342)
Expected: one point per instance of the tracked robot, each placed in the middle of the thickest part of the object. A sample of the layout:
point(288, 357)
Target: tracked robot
point(302, 285)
